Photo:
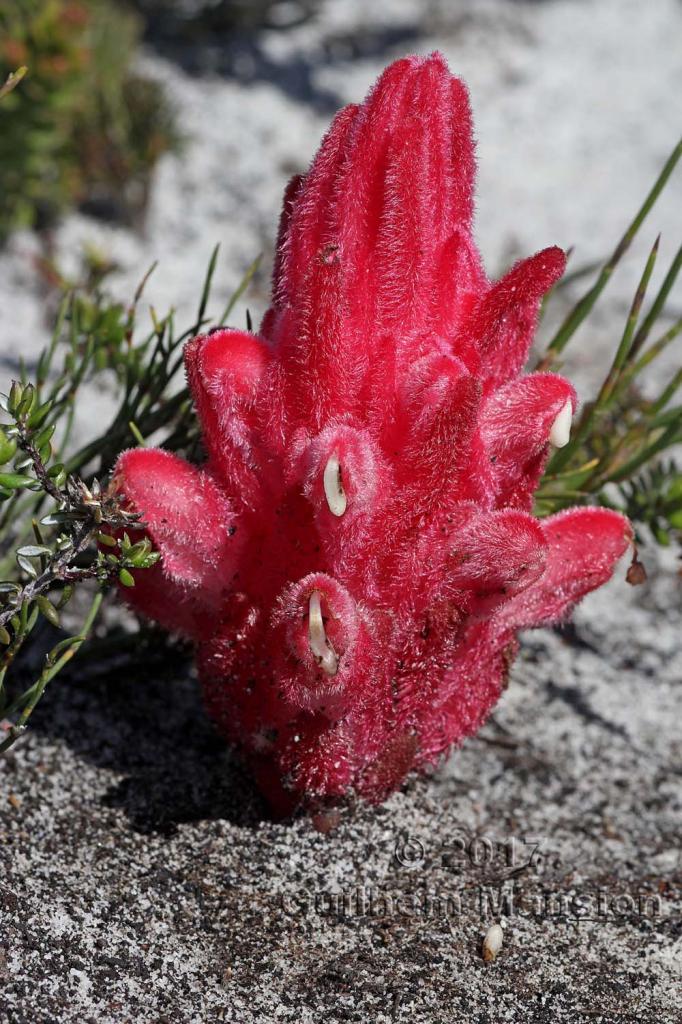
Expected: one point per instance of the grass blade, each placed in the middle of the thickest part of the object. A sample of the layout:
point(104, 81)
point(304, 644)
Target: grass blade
point(586, 303)
point(243, 285)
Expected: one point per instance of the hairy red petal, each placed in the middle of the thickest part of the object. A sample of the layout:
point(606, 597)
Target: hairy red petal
point(515, 424)
point(224, 370)
point(583, 547)
point(504, 321)
point(497, 555)
point(190, 521)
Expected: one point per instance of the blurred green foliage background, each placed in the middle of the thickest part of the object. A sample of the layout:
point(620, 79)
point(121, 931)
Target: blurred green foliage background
point(84, 129)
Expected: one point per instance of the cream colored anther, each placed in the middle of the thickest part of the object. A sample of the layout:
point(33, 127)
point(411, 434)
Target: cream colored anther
point(560, 432)
point(319, 644)
point(333, 487)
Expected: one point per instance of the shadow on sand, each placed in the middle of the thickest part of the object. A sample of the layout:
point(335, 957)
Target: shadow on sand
point(149, 726)
point(242, 55)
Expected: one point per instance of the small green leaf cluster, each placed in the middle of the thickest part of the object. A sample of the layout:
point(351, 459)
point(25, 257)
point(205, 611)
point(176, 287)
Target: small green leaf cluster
point(130, 556)
point(27, 441)
point(654, 498)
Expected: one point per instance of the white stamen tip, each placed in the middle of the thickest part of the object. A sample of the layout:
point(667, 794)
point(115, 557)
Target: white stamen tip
point(319, 644)
point(492, 943)
point(333, 487)
point(560, 433)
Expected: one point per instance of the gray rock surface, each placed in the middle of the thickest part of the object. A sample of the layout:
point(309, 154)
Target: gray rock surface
point(140, 877)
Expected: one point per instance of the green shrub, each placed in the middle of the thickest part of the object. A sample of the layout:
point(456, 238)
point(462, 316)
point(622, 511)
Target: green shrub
point(83, 128)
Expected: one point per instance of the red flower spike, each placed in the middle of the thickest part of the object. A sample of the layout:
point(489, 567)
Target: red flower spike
point(358, 554)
